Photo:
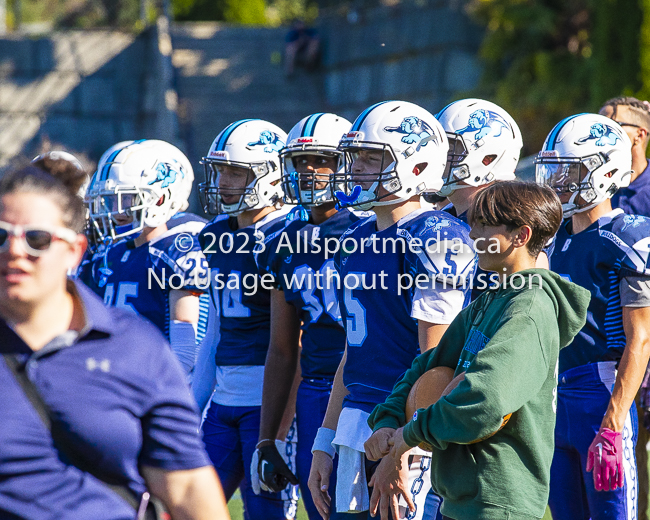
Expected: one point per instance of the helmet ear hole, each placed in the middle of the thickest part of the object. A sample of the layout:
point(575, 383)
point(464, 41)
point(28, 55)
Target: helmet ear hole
point(488, 159)
point(419, 168)
point(161, 201)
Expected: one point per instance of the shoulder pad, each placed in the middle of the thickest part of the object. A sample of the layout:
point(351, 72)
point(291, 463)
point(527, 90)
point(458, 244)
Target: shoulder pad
point(632, 236)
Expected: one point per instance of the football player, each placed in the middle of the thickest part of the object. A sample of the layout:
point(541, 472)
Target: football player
point(394, 151)
point(586, 159)
point(142, 264)
point(305, 297)
point(484, 147)
point(243, 189)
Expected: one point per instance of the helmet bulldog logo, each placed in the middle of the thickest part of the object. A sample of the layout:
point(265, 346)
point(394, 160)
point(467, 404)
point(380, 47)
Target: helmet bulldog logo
point(415, 130)
point(484, 122)
point(166, 174)
point(603, 134)
point(270, 140)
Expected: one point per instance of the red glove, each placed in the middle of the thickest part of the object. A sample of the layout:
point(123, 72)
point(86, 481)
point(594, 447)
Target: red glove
point(605, 457)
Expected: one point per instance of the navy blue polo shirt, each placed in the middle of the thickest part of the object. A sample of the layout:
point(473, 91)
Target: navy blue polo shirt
point(635, 199)
point(118, 392)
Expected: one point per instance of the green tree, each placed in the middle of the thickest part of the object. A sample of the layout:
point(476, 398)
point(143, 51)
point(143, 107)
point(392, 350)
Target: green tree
point(547, 59)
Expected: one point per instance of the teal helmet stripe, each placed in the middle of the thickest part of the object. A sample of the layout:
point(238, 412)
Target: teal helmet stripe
point(228, 131)
point(112, 157)
point(310, 125)
point(551, 141)
point(359, 121)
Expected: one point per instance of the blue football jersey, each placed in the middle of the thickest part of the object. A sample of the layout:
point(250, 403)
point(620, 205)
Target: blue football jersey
point(376, 302)
point(238, 294)
point(296, 259)
point(598, 258)
point(141, 278)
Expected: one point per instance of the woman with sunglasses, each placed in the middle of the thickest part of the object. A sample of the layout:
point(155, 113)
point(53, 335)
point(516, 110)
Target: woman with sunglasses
point(115, 396)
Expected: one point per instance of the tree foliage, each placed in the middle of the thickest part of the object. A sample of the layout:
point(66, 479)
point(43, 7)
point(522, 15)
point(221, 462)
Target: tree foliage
point(547, 59)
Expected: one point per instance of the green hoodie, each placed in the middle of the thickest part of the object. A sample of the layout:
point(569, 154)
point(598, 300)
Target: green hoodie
point(507, 342)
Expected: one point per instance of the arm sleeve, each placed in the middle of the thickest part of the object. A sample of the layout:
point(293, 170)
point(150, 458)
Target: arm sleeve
point(391, 413)
point(507, 373)
point(205, 370)
point(635, 291)
point(170, 425)
point(437, 304)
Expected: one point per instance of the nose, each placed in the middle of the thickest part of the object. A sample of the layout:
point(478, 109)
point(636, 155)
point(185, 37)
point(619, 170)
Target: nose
point(472, 234)
point(15, 247)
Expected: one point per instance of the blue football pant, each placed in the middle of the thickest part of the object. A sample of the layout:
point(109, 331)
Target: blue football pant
point(311, 405)
point(582, 399)
point(230, 434)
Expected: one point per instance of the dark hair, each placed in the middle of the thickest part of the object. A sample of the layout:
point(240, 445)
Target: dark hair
point(516, 204)
point(55, 178)
point(639, 110)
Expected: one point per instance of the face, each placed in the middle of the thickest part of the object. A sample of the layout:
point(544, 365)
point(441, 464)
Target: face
point(318, 164)
point(26, 278)
point(492, 243)
point(232, 181)
point(113, 203)
point(368, 164)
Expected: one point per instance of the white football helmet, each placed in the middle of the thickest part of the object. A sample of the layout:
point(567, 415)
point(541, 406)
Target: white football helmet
point(138, 184)
point(484, 144)
point(253, 146)
point(319, 135)
point(586, 158)
point(413, 149)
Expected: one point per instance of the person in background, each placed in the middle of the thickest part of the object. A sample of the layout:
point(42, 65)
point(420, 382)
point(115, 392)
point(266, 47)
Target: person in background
point(506, 343)
point(586, 158)
point(301, 48)
point(146, 264)
point(394, 151)
point(305, 297)
point(243, 188)
point(484, 147)
point(113, 388)
point(634, 116)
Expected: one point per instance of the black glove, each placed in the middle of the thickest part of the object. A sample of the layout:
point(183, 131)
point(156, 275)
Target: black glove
point(273, 471)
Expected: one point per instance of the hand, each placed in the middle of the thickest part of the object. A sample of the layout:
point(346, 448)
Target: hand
point(377, 445)
point(605, 458)
point(398, 445)
point(319, 480)
point(389, 481)
point(274, 474)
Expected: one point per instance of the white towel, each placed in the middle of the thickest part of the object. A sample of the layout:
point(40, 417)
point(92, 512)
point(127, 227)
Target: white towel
point(351, 483)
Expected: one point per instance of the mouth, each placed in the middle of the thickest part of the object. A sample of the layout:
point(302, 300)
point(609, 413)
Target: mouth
point(14, 275)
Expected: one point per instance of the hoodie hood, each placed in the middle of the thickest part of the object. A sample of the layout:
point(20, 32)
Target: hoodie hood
point(570, 300)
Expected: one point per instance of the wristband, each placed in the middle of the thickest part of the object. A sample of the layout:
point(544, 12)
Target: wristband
point(257, 446)
point(323, 441)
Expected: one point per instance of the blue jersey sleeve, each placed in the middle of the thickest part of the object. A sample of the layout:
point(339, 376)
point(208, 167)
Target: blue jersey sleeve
point(181, 254)
point(632, 236)
point(442, 251)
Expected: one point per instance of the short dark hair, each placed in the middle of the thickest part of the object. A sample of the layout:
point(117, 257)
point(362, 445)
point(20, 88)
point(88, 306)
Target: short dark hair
point(58, 179)
point(518, 203)
point(639, 111)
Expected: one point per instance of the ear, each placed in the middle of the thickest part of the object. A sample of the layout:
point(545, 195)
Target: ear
point(521, 236)
point(77, 250)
